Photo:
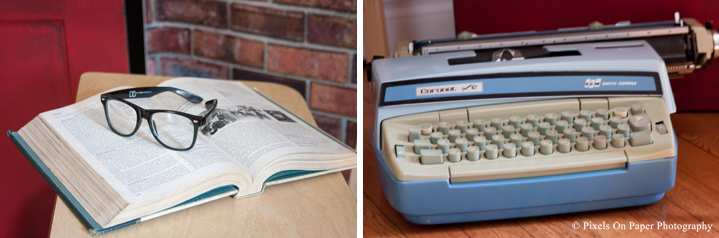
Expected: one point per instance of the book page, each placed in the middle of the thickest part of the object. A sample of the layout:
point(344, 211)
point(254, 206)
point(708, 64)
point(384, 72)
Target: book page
point(253, 130)
point(137, 167)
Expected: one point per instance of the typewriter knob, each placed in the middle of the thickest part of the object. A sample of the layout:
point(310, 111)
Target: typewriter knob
point(618, 140)
point(507, 130)
point(570, 134)
point(454, 155)
point(443, 145)
point(582, 144)
point(498, 140)
point(533, 137)
point(528, 148)
point(444, 127)
point(491, 152)
point(546, 147)
point(579, 124)
point(637, 108)
point(462, 125)
point(480, 142)
point(568, 116)
point(615, 121)
point(552, 135)
point(516, 139)
point(603, 113)
point(509, 150)
point(561, 126)
point(461, 144)
point(425, 128)
point(480, 124)
point(606, 130)
point(597, 122)
point(414, 133)
point(623, 129)
point(473, 153)
point(600, 142)
point(586, 114)
point(551, 118)
point(526, 128)
point(497, 122)
point(620, 112)
point(515, 121)
point(564, 145)
point(434, 137)
point(588, 132)
point(471, 133)
point(454, 134)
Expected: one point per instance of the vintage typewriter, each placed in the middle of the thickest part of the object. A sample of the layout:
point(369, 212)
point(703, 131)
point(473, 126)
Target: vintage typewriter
point(530, 124)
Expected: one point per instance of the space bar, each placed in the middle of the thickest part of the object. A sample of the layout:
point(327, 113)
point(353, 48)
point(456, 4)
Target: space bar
point(536, 167)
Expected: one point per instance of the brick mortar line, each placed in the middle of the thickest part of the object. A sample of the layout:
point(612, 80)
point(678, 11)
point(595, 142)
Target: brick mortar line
point(250, 36)
point(289, 76)
point(228, 11)
point(230, 72)
point(308, 89)
point(288, 7)
point(256, 70)
point(265, 56)
point(349, 70)
point(331, 114)
point(145, 26)
point(341, 85)
point(343, 127)
point(199, 59)
point(158, 66)
point(152, 8)
point(306, 30)
point(192, 41)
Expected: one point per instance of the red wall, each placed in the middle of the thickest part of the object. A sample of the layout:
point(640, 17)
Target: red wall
point(45, 45)
point(696, 91)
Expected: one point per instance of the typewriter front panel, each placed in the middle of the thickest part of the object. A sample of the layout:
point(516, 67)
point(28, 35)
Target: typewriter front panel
point(591, 172)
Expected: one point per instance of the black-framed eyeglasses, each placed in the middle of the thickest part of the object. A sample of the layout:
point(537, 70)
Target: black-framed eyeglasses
point(173, 129)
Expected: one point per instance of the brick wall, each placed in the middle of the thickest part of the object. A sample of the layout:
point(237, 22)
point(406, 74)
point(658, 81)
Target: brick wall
point(309, 45)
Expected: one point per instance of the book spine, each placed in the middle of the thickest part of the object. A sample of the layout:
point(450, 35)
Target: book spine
point(60, 189)
point(95, 232)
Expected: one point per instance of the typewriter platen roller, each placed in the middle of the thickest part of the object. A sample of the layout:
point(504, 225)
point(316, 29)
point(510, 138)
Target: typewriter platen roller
point(683, 44)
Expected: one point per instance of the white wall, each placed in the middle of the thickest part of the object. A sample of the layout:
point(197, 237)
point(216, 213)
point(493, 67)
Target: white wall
point(418, 20)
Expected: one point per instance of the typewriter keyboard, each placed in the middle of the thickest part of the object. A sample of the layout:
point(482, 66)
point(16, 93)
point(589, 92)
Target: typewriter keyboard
point(529, 139)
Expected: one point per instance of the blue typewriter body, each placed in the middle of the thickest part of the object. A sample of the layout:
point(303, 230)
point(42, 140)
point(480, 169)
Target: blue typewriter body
point(429, 83)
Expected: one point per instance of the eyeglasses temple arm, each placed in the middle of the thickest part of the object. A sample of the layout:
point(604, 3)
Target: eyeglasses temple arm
point(147, 92)
point(210, 112)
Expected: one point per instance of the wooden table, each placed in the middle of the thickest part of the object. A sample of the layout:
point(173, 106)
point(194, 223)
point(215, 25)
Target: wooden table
point(317, 207)
point(694, 198)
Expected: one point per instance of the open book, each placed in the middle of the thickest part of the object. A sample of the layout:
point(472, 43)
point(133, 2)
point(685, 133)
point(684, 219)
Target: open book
point(111, 181)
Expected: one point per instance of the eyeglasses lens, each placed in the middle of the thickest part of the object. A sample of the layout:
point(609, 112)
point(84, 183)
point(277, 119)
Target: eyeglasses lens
point(174, 130)
point(122, 117)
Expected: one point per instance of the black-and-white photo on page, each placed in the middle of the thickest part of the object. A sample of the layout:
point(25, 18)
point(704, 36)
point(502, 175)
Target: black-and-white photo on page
point(223, 117)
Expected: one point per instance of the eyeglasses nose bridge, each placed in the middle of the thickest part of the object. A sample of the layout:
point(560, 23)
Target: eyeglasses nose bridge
point(143, 113)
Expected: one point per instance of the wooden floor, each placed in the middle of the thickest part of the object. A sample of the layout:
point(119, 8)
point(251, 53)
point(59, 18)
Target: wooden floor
point(693, 200)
